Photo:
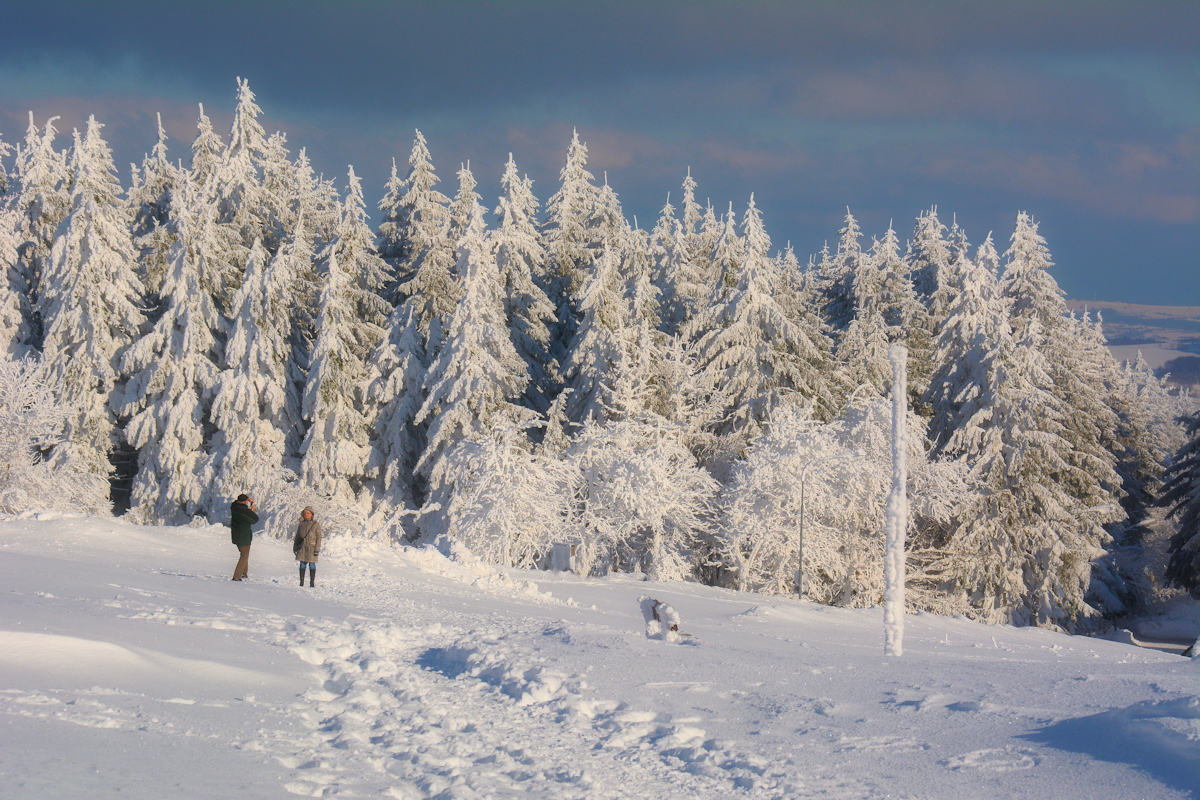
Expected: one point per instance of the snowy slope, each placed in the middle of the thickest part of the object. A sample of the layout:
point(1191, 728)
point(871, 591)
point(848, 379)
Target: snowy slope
point(130, 666)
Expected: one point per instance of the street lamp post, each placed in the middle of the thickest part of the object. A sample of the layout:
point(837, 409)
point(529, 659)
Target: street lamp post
point(803, 482)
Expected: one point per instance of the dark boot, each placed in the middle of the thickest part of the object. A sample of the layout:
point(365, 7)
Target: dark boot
point(301, 574)
point(312, 576)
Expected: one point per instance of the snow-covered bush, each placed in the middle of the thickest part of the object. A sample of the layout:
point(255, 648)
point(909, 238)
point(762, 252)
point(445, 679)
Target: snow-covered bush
point(642, 501)
point(281, 496)
point(31, 422)
point(828, 483)
point(509, 504)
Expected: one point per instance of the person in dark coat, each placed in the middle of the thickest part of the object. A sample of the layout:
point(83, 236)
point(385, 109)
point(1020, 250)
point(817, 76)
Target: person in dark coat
point(241, 517)
point(307, 545)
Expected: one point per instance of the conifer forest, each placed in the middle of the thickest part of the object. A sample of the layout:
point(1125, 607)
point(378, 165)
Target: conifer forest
point(690, 401)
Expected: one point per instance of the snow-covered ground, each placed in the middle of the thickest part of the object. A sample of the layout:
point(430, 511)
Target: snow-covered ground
point(132, 667)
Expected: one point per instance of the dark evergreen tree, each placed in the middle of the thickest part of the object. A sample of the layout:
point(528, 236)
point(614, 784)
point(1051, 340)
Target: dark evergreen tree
point(1181, 494)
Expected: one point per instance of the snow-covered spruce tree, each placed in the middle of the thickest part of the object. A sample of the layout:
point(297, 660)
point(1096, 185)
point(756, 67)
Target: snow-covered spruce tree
point(150, 197)
point(226, 247)
point(1081, 366)
point(599, 344)
point(1103, 382)
point(172, 371)
point(1085, 377)
point(431, 287)
point(835, 278)
point(5, 149)
point(725, 264)
point(606, 223)
point(692, 219)
point(393, 397)
point(691, 254)
point(632, 387)
point(863, 346)
point(1139, 463)
point(510, 502)
point(1090, 427)
point(680, 393)
point(1132, 399)
point(820, 490)
point(356, 244)
point(1026, 281)
point(862, 350)
point(466, 199)
point(16, 312)
point(711, 228)
point(793, 289)
point(237, 182)
point(654, 379)
point(565, 232)
point(153, 186)
point(645, 298)
point(1181, 494)
point(290, 189)
point(642, 502)
point(520, 258)
point(280, 191)
point(902, 310)
point(922, 298)
point(41, 203)
point(928, 261)
point(1150, 397)
point(90, 303)
point(392, 251)
point(256, 406)
point(336, 446)
point(207, 151)
point(414, 213)
point(32, 419)
point(754, 352)
point(866, 281)
point(16, 328)
point(472, 383)
point(320, 194)
point(987, 257)
point(1023, 553)
point(296, 259)
point(949, 278)
point(668, 250)
point(349, 325)
point(974, 324)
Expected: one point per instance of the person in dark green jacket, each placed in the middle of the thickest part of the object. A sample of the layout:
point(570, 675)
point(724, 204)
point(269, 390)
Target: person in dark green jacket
point(241, 517)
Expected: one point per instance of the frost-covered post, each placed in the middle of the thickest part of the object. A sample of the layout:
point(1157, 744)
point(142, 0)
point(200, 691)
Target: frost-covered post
point(897, 510)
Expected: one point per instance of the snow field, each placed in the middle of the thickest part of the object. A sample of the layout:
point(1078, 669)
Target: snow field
point(131, 666)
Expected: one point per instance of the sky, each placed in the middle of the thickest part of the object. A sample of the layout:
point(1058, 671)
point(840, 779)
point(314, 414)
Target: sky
point(1085, 115)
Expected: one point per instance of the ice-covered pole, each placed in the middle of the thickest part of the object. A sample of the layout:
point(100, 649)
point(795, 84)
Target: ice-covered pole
point(897, 509)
